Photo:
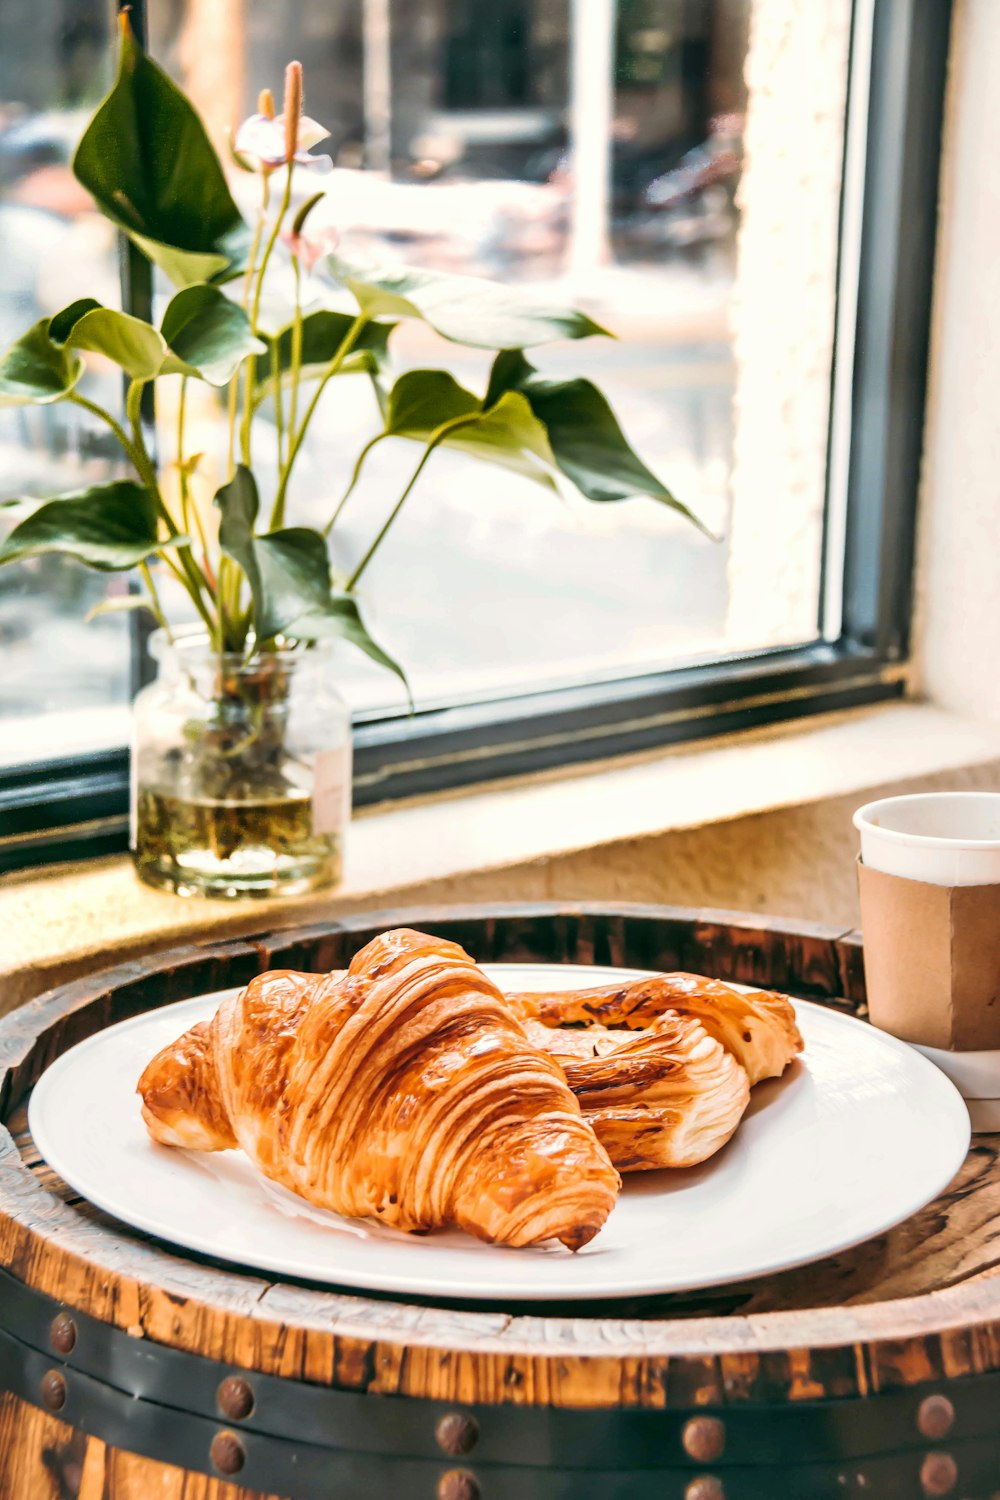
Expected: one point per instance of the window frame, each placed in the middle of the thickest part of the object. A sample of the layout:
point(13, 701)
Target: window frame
point(77, 806)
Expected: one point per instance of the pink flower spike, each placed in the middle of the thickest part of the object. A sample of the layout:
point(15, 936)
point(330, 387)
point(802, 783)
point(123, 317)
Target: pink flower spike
point(309, 247)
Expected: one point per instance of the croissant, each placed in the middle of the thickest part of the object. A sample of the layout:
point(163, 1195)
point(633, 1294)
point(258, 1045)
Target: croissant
point(669, 1095)
point(404, 1090)
point(756, 1026)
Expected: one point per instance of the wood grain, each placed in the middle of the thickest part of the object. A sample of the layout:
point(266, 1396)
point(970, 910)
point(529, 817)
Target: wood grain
point(919, 1303)
point(43, 1459)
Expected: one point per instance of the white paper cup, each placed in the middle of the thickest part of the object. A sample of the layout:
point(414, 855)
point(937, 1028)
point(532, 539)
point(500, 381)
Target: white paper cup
point(948, 839)
point(942, 838)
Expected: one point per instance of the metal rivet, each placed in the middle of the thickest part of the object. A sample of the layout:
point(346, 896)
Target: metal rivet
point(235, 1398)
point(63, 1333)
point(703, 1439)
point(457, 1434)
point(938, 1474)
point(705, 1488)
point(53, 1390)
point(935, 1417)
point(227, 1453)
point(458, 1484)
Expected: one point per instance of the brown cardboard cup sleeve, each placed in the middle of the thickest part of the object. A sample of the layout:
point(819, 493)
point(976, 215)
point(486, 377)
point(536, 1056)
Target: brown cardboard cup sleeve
point(932, 960)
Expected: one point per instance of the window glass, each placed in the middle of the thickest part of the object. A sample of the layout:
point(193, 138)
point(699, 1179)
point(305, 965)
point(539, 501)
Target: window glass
point(674, 167)
point(64, 684)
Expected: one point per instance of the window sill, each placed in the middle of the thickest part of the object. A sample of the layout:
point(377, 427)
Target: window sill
point(59, 923)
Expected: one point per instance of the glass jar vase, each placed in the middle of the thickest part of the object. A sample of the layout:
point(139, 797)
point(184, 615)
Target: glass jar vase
point(241, 771)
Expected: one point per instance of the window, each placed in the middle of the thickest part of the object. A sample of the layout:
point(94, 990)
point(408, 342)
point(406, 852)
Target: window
point(61, 685)
point(745, 191)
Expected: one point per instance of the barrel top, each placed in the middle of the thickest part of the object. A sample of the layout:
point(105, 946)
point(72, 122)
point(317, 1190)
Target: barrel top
point(921, 1302)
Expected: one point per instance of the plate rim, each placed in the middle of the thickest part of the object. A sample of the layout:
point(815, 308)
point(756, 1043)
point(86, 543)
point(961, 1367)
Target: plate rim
point(439, 1287)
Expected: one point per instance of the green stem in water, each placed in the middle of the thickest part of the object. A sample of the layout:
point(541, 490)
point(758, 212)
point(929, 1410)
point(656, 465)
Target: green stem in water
point(296, 439)
point(437, 438)
point(356, 475)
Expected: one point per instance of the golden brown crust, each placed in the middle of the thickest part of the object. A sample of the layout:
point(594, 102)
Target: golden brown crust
point(669, 1095)
point(180, 1095)
point(756, 1026)
point(404, 1090)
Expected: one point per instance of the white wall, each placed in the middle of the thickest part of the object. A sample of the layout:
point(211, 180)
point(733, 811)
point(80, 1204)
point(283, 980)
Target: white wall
point(957, 636)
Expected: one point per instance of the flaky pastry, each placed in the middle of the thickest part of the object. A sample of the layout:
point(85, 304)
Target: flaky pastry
point(756, 1026)
point(405, 1090)
point(669, 1095)
point(663, 1066)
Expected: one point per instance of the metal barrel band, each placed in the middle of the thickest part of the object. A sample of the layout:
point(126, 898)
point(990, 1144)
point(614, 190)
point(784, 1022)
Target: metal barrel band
point(268, 1465)
point(914, 1420)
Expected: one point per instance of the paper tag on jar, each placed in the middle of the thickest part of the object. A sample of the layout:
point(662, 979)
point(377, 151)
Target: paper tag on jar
point(331, 801)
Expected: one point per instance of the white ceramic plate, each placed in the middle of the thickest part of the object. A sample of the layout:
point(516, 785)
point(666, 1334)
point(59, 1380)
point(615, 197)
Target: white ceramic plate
point(856, 1137)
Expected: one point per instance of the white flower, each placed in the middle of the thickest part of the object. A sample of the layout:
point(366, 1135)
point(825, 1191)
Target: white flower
point(262, 141)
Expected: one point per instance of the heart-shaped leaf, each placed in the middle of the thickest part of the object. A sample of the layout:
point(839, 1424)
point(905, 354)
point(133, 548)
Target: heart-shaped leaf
point(109, 527)
point(288, 571)
point(507, 433)
point(36, 371)
point(289, 576)
point(146, 159)
point(464, 309)
point(62, 325)
point(587, 443)
point(140, 350)
point(209, 334)
point(204, 335)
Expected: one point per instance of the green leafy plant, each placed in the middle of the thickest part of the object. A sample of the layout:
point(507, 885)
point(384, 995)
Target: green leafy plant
point(148, 162)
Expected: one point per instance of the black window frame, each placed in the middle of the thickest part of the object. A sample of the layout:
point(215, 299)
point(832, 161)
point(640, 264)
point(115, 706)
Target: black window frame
point(68, 808)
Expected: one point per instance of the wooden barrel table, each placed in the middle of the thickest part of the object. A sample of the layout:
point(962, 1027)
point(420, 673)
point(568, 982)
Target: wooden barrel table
point(131, 1371)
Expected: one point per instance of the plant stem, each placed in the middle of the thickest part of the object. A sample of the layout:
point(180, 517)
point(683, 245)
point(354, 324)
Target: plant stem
point(249, 380)
point(296, 439)
point(258, 230)
point(147, 578)
point(293, 400)
point(136, 451)
point(437, 438)
point(354, 479)
point(105, 416)
point(233, 395)
point(140, 455)
point(189, 508)
point(251, 361)
point(232, 406)
point(194, 580)
point(279, 418)
point(181, 469)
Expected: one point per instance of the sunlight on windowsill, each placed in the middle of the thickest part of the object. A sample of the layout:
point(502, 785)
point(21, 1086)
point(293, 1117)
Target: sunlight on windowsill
point(500, 842)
